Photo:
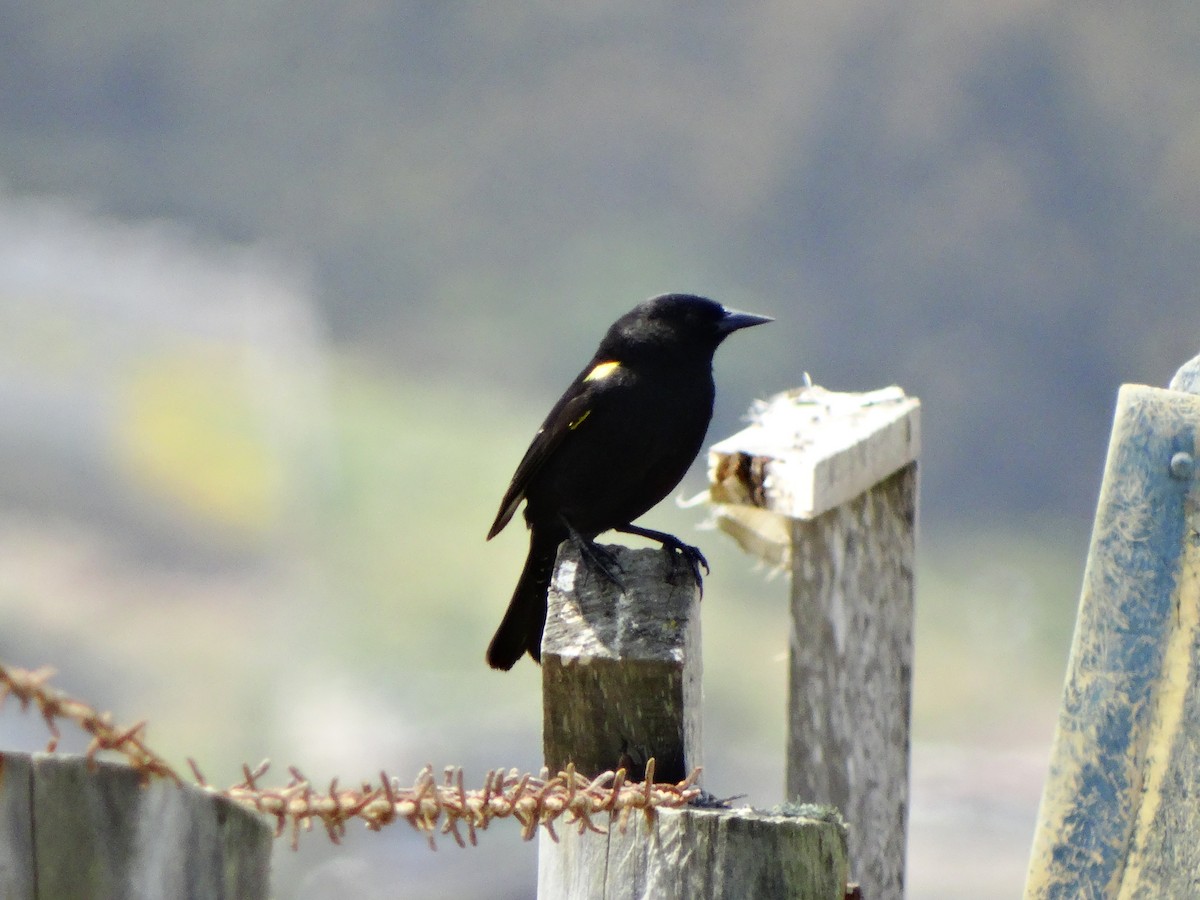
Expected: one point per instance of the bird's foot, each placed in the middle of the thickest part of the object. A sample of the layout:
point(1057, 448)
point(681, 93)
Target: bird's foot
point(693, 557)
point(597, 558)
point(677, 548)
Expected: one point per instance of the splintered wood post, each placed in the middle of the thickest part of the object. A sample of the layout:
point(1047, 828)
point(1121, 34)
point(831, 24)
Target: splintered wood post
point(621, 670)
point(825, 484)
point(78, 831)
point(1119, 817)
point(621, 684)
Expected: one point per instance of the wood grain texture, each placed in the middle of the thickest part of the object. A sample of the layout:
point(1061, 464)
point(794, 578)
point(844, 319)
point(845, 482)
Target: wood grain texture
point(698, 854)
point(17, 875)
point(93, 833)
point(850, 691)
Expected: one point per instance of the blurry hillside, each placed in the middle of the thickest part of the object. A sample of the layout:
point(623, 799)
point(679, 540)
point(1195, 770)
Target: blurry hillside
point(147, 379)
point(994, 204)
point(284, 291)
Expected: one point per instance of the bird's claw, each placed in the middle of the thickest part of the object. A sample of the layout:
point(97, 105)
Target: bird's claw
point(676, 548)
point(695, 559)
point(603, 561)
point(597, 558)
point(692, 556)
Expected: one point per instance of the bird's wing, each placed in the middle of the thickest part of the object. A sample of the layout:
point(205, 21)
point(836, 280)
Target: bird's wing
point(568, 413)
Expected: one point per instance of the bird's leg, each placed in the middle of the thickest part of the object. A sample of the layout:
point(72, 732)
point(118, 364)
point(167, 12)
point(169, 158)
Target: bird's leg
point(595, 556)
point(692, 555)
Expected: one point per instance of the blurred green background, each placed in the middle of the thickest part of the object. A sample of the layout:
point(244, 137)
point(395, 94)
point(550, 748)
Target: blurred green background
point(285, 291)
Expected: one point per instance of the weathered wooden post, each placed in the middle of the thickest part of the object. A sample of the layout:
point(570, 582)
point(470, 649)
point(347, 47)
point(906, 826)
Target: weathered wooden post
point(621, 670)
point(621, 684)
point(1119, 816)
point(74, 831)
point(826, 484)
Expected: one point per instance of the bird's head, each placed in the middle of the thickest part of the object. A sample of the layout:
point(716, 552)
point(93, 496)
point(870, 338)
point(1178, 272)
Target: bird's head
point(675, 323)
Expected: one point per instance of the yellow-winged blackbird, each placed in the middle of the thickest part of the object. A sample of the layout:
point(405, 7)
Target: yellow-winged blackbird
point(617, 442)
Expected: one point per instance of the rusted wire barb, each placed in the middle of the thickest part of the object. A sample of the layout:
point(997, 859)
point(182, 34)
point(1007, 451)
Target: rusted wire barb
point(30, 687)
point(429, 806)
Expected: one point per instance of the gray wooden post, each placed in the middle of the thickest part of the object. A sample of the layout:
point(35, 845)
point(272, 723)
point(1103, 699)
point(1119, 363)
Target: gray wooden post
point(1119, 816)
point(621, 670)
point(621, 684)
point(825, 484)
point(74, 832)
point(699, 854)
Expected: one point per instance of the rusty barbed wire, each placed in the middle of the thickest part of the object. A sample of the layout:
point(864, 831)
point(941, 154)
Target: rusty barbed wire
point(29, 686)
point(430, 806)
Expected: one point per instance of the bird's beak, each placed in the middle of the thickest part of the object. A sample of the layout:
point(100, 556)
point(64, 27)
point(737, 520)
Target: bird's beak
point(735, 319)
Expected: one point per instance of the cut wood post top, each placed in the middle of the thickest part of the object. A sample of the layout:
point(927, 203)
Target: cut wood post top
point(701, 854)
point(807, 451)
point(591, 618)
point(810, 449)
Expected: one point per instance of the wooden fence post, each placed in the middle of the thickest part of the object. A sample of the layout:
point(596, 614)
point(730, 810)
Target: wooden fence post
point(699, 854)
point(621, 683)
point(1119, 817)
point(825, 484)
point(621, 670)
point(71, 831)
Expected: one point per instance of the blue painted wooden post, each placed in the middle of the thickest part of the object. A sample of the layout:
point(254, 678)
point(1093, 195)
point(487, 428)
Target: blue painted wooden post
point(1119, 815)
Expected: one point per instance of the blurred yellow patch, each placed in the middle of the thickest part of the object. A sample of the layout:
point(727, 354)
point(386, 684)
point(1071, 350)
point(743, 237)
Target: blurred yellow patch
point(191, 433)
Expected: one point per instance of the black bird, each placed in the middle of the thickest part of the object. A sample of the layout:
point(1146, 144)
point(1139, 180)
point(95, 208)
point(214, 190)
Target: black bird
point(617, 442)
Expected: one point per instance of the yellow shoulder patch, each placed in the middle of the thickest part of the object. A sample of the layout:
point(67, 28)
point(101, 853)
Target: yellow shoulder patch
point(602, 370)
point(571, 426)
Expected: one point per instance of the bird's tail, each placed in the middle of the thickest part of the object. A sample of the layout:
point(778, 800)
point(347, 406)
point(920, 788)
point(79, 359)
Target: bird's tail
point(521, 628)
